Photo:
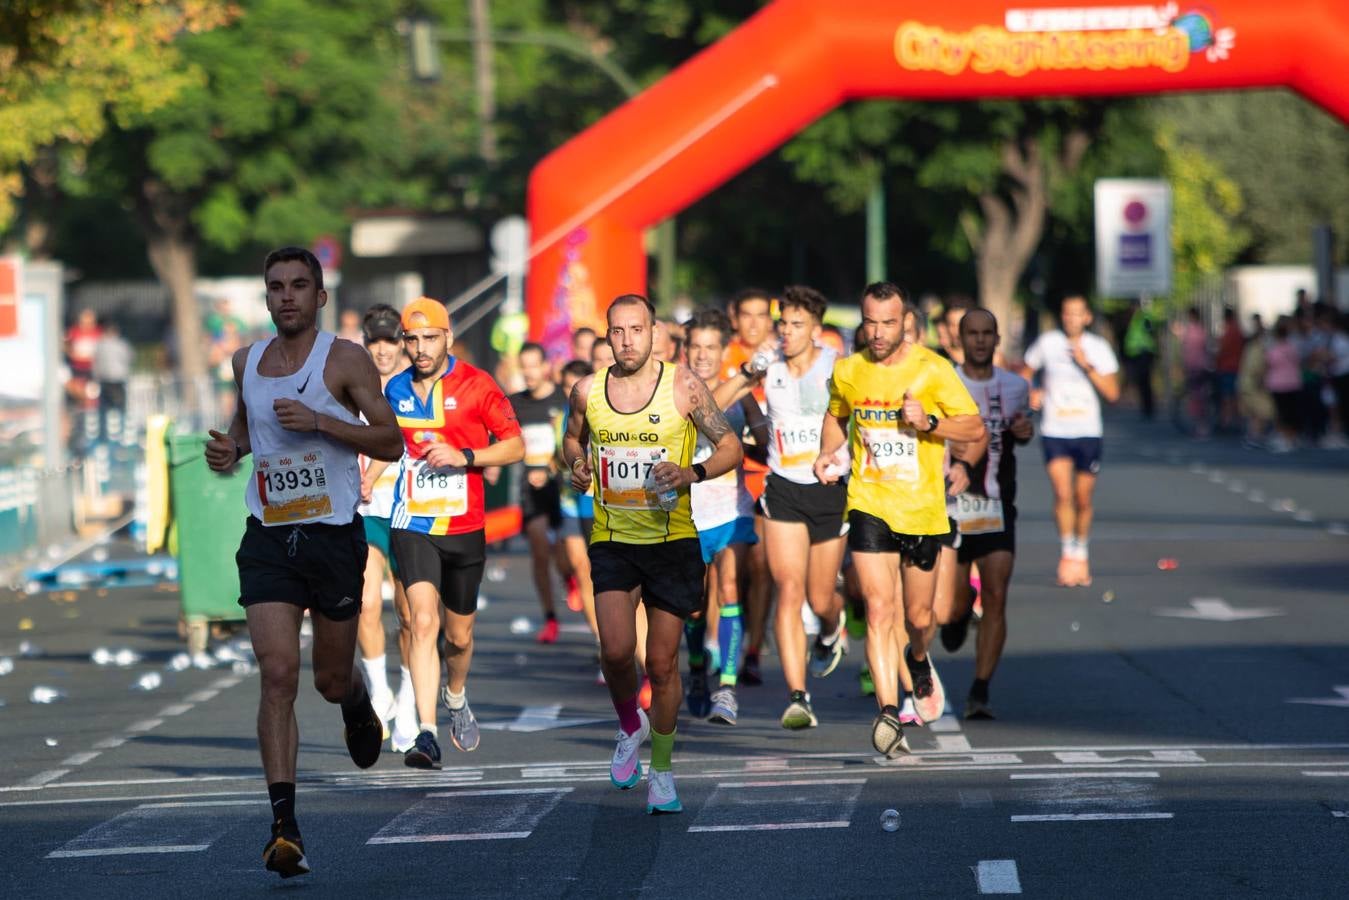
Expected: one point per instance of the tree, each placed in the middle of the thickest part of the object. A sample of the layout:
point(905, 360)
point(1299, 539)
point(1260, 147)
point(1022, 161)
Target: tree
point(296, 118)
point(68, 66)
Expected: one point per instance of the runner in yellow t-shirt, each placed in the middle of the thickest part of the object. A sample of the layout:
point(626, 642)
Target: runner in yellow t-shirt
point(897, 403)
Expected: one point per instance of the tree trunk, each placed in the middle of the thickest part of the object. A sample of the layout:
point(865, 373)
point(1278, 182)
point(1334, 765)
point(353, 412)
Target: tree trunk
point(42, 202)
point(484, 78)
point(171, 246)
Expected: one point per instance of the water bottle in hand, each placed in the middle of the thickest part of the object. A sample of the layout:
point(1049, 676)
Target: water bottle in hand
point(761, 360)
point(666, 499)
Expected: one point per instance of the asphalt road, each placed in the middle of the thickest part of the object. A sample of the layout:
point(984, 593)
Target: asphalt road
point(1163, 733)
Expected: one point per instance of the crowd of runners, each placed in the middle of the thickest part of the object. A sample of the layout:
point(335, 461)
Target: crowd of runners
point(689, 485)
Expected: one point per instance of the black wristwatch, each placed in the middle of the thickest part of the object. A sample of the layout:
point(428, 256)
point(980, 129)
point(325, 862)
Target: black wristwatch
point(699, 472)
point(468, 455)
point(931, 423)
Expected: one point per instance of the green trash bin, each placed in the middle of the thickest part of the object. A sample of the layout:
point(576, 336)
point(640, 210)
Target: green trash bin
point(209, 514)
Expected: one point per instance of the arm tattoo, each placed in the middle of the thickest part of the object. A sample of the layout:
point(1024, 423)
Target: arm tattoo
point(706, 414)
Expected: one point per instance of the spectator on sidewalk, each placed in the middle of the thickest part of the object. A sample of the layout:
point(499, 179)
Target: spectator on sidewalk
point(1194, 357)
point(1227, 365)
point(1140, 352)
point(1254, 402)
point(1283, 380)
point(111, 370)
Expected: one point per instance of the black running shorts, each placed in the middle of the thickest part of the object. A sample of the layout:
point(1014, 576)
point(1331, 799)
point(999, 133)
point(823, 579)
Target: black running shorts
point(669, 574)
point(818, 506)
point(868, 534)
point(452, 563)
point(974, 547)
point(316, 567)
point(544, 501)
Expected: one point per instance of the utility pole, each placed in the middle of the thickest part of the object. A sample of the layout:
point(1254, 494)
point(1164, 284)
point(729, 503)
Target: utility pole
point(484, 79)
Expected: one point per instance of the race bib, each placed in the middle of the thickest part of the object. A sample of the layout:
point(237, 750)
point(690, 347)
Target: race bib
point(434, 492)
point(622, 475)
point(293, 488)
point(889, 454)
point(798, 441)
point(1073, 401)
point(978, 515)
point(540, 445)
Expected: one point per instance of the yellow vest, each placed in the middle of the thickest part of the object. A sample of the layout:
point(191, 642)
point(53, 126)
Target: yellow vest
point(623, 449)
point(896, 472)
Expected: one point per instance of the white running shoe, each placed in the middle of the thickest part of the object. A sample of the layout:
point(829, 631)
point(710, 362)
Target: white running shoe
point(660, 794)
point(405, 725)
point(929, 707)
point(625, 769)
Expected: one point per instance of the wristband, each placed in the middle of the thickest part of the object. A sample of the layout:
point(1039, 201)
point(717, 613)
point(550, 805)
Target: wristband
point(699, 472)
point(746, 371)
point(468, 456)
point(238, 452)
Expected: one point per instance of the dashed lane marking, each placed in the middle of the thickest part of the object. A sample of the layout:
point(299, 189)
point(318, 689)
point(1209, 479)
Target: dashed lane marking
point(1015, 776)
point(471, 816)
point(997, 876)
point(1093, 817)
point(785, 805)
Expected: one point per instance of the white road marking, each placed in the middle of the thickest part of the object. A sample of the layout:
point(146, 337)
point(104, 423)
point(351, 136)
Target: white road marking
point(997, 876)
point(538, 718)
point(201, 696)
point(953, 743)
point(111, 743)
point(1340, 813)
point(224, 684)
point(471, 816)
point(175, 709)
point(1216, 609)
point(145, 725)
point(1092, 817)
point(80, 759)
point(1338, 529)
point(1342, 700)
point(42, 778)
point(1340, 774)
point(944, 725)
point(1092, 757)
point(123, 851)
point(775, 826)
point(784, 805)
point(202, 803)
point(1118, 773)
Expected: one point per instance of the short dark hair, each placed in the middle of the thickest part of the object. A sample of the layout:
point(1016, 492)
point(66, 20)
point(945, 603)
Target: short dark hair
point(885, 290)
point(632, 300)
point(1073, 295)
point(978, 309)
point(798, 296)
point(749, 293)
point(294, 254)
point(381, 323)
point(583, 330)
point(532, 346)
point(578, 367)
point(710, 319)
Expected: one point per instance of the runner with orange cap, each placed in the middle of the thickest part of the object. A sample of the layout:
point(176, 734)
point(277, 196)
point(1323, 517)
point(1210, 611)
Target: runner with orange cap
point(449, 413)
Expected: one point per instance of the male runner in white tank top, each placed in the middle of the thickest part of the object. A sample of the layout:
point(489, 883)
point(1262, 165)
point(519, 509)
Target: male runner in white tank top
point(301, 396)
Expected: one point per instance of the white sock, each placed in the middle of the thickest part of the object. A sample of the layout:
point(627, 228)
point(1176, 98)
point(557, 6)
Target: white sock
point(429, 727)
point(1069, 546)
point(456, 701)
point(376, 679)
point(1082, 549)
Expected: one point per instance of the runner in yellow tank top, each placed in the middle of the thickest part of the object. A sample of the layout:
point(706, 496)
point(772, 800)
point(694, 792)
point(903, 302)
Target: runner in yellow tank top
point(638, 417)
point(901, 403)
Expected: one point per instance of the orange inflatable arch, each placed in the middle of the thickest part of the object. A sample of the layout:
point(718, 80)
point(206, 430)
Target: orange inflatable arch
point(591, 199)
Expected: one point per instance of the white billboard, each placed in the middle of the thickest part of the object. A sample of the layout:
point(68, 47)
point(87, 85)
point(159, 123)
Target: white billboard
point(1133, 237)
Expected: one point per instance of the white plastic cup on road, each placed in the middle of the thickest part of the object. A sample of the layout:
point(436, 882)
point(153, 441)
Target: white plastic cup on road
point(101, 656)
point(43, 694)
point(6, 665)
point(126, 657)
point(179, 662)
point(148, 682)
point(520, 625)
point(29, 650)
point(890, 820)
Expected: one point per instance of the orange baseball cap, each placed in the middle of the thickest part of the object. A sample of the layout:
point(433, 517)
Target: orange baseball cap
point(425, 313)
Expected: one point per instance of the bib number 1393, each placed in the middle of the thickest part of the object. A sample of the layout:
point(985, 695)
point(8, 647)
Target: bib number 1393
point(293, 488)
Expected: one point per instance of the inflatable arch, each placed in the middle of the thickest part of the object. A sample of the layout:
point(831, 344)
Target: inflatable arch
point(591, 199)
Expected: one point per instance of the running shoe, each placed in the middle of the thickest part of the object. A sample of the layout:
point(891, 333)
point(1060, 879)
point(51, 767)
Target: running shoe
point(908, 716)
point(574, 602)
point(799, 713)
point(660, 794)
point(929, 697)
point(749, 672)
point(725, 708)
point(548, 633)
point(425, 753)
point(284, 853)
point(700, 703)
point(865, 681)
point(644, 694)
point(464, 732)
point(978, 709)
point(977, 608)
point(625, 769)
point(887, 735)
point(824, 658)
point(953, 634)
point(365, 737)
